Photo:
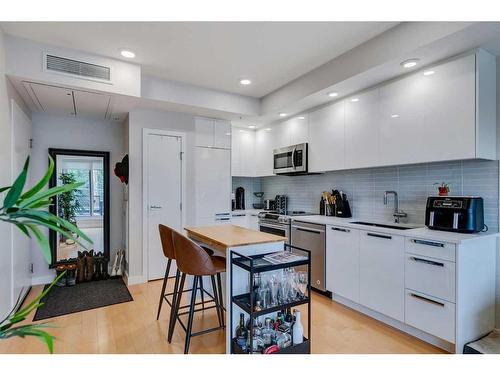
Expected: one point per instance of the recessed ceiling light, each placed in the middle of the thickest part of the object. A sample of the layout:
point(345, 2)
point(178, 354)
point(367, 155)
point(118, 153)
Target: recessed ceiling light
point(245, 81)
point(429, 72)
point(228, 133)
point(395, 116)
point(282, 114)
point(410, 63)
point(333, 94)
point(251, 127)
point(301, 118)
point(267, 129)
point(355, 100)
point(127, 53)
point(242, 131)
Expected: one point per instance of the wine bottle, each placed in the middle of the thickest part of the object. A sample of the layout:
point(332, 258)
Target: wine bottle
point(242, 333)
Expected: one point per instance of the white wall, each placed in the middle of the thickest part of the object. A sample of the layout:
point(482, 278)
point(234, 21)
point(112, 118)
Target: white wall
point(5, 180)
point(84, 134)
point(7, 93)
point(154, 119)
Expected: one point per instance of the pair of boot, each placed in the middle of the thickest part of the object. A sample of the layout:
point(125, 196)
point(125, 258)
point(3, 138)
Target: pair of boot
point(100, 267)
point(85, 266)
point(117, 269)
point(69, 279)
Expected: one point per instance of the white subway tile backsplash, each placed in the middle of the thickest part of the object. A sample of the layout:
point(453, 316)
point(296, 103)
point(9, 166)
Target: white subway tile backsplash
point(414, 183)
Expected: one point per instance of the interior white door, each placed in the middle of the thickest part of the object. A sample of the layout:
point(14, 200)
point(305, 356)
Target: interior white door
point(21, 244)
point(164, 195)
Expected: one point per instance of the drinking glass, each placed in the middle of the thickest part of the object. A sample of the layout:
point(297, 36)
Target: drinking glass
point(302, 283)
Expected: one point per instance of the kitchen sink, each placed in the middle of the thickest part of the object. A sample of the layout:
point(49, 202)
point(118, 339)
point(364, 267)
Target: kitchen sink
point(390, 226)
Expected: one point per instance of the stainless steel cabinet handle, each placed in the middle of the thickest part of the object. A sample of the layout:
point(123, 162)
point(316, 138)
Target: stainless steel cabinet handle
point(379, 236)
point(222, 218)
point(426, 299)
point(426, 261)
point(155, 207)
point(308, 230)
point(428, 243)
point(341, 229)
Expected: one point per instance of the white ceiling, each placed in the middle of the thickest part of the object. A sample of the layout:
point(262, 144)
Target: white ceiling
point(212, 54)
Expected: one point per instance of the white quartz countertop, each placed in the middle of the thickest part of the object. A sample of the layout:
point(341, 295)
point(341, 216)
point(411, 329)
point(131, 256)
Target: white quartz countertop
point(421, 232)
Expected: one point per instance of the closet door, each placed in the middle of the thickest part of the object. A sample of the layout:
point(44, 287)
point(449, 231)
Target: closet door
point(21, 249)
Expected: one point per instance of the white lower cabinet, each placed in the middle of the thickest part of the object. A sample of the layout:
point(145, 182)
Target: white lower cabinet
point(381, 270)
point(430, 314)
point(434, 277)
point(342, 262)
point(446, 291)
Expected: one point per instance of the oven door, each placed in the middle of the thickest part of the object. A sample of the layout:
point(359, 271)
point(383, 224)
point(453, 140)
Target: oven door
point(291, 159)
point(277, 229)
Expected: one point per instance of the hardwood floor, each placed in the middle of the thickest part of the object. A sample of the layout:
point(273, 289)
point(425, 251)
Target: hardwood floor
point(132, 328)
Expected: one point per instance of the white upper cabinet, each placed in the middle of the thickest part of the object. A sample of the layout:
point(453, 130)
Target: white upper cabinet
point(362, 130)
point(243, 153)
point(402, 121)
point(222, 134)
point(298, 129)
point(326, 138)
point(449, 111)
point(212, 133)
point(264, 145)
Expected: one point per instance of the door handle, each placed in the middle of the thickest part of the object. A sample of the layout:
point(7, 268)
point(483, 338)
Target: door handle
point(341, 229)
point(154, 207)
point(426, 299)
point(428, 243)
point(426, 261)
point(293, 157)
point(308, 230)
point(379, 236)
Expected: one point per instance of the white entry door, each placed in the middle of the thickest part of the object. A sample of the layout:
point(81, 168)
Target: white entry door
point(21, 244)
point(163, 173)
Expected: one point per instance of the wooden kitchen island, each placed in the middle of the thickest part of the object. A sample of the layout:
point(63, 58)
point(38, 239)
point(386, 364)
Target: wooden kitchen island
point(226, 238)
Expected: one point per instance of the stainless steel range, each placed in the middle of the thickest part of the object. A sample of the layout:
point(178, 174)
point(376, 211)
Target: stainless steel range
point(279, 224)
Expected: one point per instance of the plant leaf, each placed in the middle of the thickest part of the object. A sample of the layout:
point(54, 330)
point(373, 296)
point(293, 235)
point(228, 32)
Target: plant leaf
point(49, 218)
point(56, 190)
point(2, 189)
point(42, 241)
point(23, 229)
point(43, 181)
point(40, 204)
point(37, 300)
point(17, 187)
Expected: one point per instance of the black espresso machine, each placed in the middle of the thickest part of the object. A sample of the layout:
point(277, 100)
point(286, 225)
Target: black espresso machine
point(455, 214)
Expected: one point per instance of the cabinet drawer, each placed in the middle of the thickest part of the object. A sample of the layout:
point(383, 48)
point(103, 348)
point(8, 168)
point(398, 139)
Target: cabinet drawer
point(430, 314)
point(430, 276)
point(430, 248)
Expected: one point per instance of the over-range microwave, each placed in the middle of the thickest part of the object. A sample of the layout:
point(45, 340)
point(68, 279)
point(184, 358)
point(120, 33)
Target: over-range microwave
point(290, 160)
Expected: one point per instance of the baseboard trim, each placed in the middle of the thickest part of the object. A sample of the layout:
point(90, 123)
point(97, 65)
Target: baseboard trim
point(42, 280)
point(433, 340)
point(132, 280)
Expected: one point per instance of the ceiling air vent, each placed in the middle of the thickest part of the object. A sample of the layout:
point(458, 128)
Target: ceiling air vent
point(77, 68)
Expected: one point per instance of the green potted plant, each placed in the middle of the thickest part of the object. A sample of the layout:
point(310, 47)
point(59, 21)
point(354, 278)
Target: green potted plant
point(443, 188)
point(28, 212)
point(67, 204)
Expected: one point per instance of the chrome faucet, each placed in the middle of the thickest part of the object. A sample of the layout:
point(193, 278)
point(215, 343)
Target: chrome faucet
point(398, 214)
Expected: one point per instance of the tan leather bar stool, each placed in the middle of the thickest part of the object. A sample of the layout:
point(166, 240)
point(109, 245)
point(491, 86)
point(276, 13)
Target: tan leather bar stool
point(168, 250)
point(194, 261)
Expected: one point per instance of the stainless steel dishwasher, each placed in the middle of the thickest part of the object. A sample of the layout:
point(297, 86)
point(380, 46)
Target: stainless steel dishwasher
point(312, 237)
